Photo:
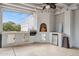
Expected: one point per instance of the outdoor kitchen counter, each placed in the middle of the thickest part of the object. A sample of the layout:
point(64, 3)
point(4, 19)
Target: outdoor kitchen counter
point(13, 38)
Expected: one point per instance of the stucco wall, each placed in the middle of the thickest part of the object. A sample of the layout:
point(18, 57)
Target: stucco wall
point(76, 26)
point(47, 17)
point(59, 21)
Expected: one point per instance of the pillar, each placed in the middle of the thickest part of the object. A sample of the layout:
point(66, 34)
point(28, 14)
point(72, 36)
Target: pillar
point(68, 29)
point(0, 25)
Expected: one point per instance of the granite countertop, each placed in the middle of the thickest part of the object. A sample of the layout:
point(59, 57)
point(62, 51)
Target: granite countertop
point(15, 32)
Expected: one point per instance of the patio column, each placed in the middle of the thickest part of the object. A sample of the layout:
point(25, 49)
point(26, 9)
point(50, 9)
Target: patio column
point(67, 18)
point(0, 25)
point(68, 29)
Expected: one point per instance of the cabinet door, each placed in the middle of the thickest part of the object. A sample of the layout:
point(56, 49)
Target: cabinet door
point(11, 38)
point(26, 37)
point(55, 39)
point(44, 37)
point(22, 37)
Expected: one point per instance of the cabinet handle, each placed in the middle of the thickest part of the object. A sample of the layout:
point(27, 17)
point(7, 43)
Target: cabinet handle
point(24, 36)
point(13, 38)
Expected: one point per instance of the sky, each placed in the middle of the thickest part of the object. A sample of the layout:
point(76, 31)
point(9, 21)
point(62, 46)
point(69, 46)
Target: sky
point(16, 17)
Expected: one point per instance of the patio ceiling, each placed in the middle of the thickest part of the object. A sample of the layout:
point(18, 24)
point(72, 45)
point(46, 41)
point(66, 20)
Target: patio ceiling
point(32, 7)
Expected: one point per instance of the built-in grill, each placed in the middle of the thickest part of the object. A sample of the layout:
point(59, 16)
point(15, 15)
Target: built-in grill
point(33, 33)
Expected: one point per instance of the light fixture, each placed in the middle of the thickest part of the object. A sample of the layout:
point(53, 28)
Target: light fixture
point(49, 5)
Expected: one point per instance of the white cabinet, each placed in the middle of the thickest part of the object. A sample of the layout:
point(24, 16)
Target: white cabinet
point(22, 38)
point(55, 39)
point(11, 38)
point(26, 37)
point(14, 38)
point(44, 37)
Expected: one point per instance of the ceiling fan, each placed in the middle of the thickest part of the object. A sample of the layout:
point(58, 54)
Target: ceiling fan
point(49, 5)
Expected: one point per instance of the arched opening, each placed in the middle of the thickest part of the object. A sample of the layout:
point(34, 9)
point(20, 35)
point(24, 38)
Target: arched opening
point(43, 27)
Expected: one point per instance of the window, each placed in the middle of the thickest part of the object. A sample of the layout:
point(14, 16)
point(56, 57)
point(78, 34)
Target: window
point(18, 21)
point(29, 24)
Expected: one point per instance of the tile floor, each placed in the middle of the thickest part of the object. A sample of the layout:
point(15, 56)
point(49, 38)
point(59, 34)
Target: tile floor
point(38, 50)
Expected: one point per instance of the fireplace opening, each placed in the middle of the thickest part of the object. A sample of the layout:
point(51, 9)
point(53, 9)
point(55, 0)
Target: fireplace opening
point(43, 27)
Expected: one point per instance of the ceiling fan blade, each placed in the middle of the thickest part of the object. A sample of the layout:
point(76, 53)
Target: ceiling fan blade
point(44, 7)
point(53, 6)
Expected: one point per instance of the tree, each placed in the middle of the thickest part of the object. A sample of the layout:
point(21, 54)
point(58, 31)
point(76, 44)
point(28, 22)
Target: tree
point(11, 26)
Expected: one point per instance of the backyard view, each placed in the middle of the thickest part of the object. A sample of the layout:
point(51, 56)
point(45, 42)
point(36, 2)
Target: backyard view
point(11, 26)
point(13, 21)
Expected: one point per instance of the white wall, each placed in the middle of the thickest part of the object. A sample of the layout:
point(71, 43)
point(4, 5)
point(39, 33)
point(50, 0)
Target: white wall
point(52, 21)
point(71, 29)
point(76, 25)
point(67, 18)
point(59, 21)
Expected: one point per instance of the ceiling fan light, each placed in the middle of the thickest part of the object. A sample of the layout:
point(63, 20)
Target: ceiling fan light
point(48, 6)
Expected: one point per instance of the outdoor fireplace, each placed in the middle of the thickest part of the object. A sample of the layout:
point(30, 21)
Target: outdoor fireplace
point(43, 27)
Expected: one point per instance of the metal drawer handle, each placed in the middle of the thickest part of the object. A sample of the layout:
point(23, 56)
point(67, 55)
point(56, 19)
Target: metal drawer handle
point(13, 38)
